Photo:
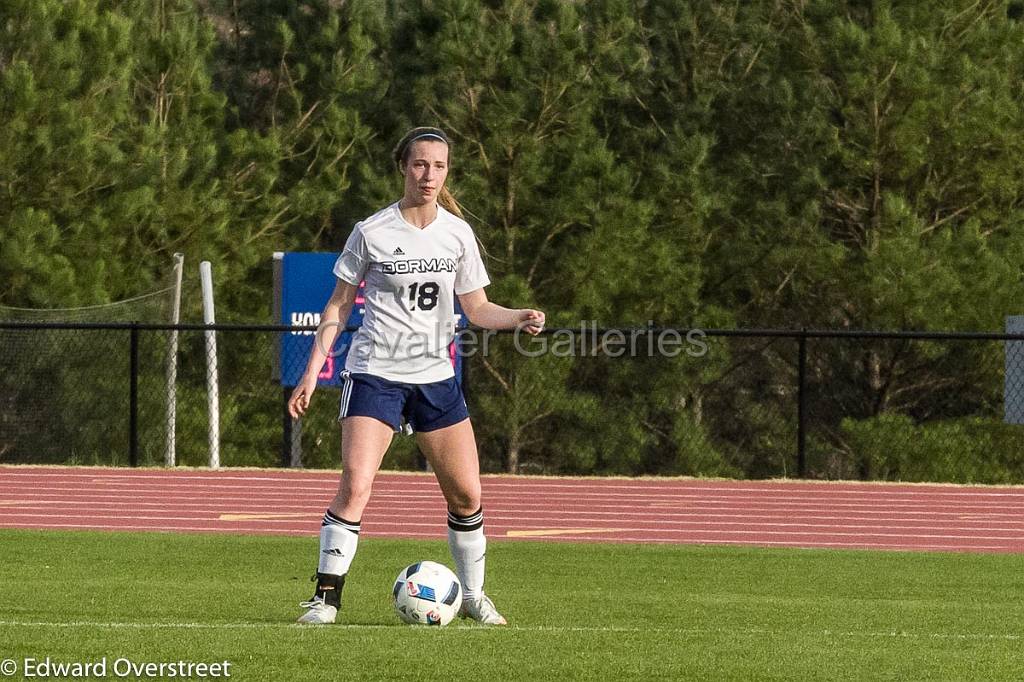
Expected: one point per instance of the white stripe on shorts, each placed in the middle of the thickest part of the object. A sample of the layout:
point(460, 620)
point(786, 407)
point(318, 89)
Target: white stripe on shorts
point(346, 394)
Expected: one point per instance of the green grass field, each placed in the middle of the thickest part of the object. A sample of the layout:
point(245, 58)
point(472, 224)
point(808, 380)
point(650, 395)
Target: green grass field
point(585, 611)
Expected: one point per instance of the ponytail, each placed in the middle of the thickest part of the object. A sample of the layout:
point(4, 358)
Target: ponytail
point(448, 201)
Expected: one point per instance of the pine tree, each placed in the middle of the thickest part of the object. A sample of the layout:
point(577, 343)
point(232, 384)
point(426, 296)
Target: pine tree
point(63, 96)
point(299, 77)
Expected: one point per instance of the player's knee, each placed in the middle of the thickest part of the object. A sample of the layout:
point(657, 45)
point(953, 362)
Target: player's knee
point(464, 502)
point(353, 493)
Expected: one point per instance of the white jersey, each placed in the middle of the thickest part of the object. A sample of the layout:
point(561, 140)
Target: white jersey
point(412, 276)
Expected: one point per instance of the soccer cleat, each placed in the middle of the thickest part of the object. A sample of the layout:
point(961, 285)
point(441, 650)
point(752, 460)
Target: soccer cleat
point(323, 607)
point(319, 612)
point(482, 610)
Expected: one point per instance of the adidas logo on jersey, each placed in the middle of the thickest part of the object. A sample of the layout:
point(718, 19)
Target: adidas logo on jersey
point(398, 252)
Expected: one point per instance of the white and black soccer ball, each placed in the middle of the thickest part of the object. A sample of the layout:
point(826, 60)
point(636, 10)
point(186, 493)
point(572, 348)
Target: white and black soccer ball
point(427, 593)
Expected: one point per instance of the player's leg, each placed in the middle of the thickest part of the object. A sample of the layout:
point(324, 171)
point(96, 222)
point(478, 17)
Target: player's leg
point(364, 440)
point(451, 451)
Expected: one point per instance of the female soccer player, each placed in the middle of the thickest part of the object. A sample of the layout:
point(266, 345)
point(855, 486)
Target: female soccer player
point(414, 256)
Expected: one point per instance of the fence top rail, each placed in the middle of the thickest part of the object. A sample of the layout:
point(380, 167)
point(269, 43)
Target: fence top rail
point(583, 328)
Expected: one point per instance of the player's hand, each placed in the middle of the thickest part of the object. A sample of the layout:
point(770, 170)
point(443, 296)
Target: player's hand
point(299, 402)
point(531, 321)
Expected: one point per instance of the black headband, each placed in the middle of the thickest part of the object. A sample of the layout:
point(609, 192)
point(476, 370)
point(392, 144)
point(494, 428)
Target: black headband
point(423, 135)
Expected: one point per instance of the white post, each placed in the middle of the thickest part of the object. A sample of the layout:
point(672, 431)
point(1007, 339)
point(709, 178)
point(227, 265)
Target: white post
point(170, 456)
point(212, 390)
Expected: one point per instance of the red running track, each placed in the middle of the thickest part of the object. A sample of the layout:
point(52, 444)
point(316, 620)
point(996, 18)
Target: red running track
point(761, 514)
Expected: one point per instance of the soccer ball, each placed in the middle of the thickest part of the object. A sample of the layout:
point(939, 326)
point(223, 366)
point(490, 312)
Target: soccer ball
point(427, 593)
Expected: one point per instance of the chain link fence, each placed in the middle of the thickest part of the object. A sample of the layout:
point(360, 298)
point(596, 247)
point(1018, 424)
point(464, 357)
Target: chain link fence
point(748, 404)
point(915, 409)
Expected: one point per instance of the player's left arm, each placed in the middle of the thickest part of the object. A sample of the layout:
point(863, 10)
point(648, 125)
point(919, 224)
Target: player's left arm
point(484, 313)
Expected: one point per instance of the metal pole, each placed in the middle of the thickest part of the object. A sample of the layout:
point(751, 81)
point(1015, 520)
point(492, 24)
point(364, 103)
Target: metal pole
point(171, 418)
point(133, 398)
point(212, 388)
point(801, 411)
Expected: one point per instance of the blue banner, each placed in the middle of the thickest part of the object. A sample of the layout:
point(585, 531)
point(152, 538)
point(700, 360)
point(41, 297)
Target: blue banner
point(307, 282)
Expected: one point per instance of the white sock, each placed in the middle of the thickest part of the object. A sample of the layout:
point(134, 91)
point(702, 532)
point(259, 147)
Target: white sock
point(338, 540)
point(469, 547)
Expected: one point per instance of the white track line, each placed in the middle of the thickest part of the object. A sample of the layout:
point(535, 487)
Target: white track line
point(573, 486)
point(689, 502)
point(692, 534)
point(171, 483)
point(378, 507)
point(963, 636)
point(792, 544)
point(519, 522)
point(408, 535)
point(381, 507)
point(378, 512)
point(155, 528)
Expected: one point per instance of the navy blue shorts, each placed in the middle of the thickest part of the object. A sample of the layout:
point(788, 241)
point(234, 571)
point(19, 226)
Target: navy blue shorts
point(425, 407)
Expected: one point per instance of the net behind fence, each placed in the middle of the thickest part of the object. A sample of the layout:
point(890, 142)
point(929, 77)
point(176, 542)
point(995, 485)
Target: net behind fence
point(912, 410)
point(63, 391)
point(65, 396)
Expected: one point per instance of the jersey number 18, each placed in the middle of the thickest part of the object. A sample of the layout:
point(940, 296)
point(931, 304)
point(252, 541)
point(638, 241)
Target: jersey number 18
point(423, 295)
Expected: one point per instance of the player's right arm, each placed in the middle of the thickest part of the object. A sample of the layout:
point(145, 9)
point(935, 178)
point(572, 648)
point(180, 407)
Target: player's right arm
point(337, 309)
